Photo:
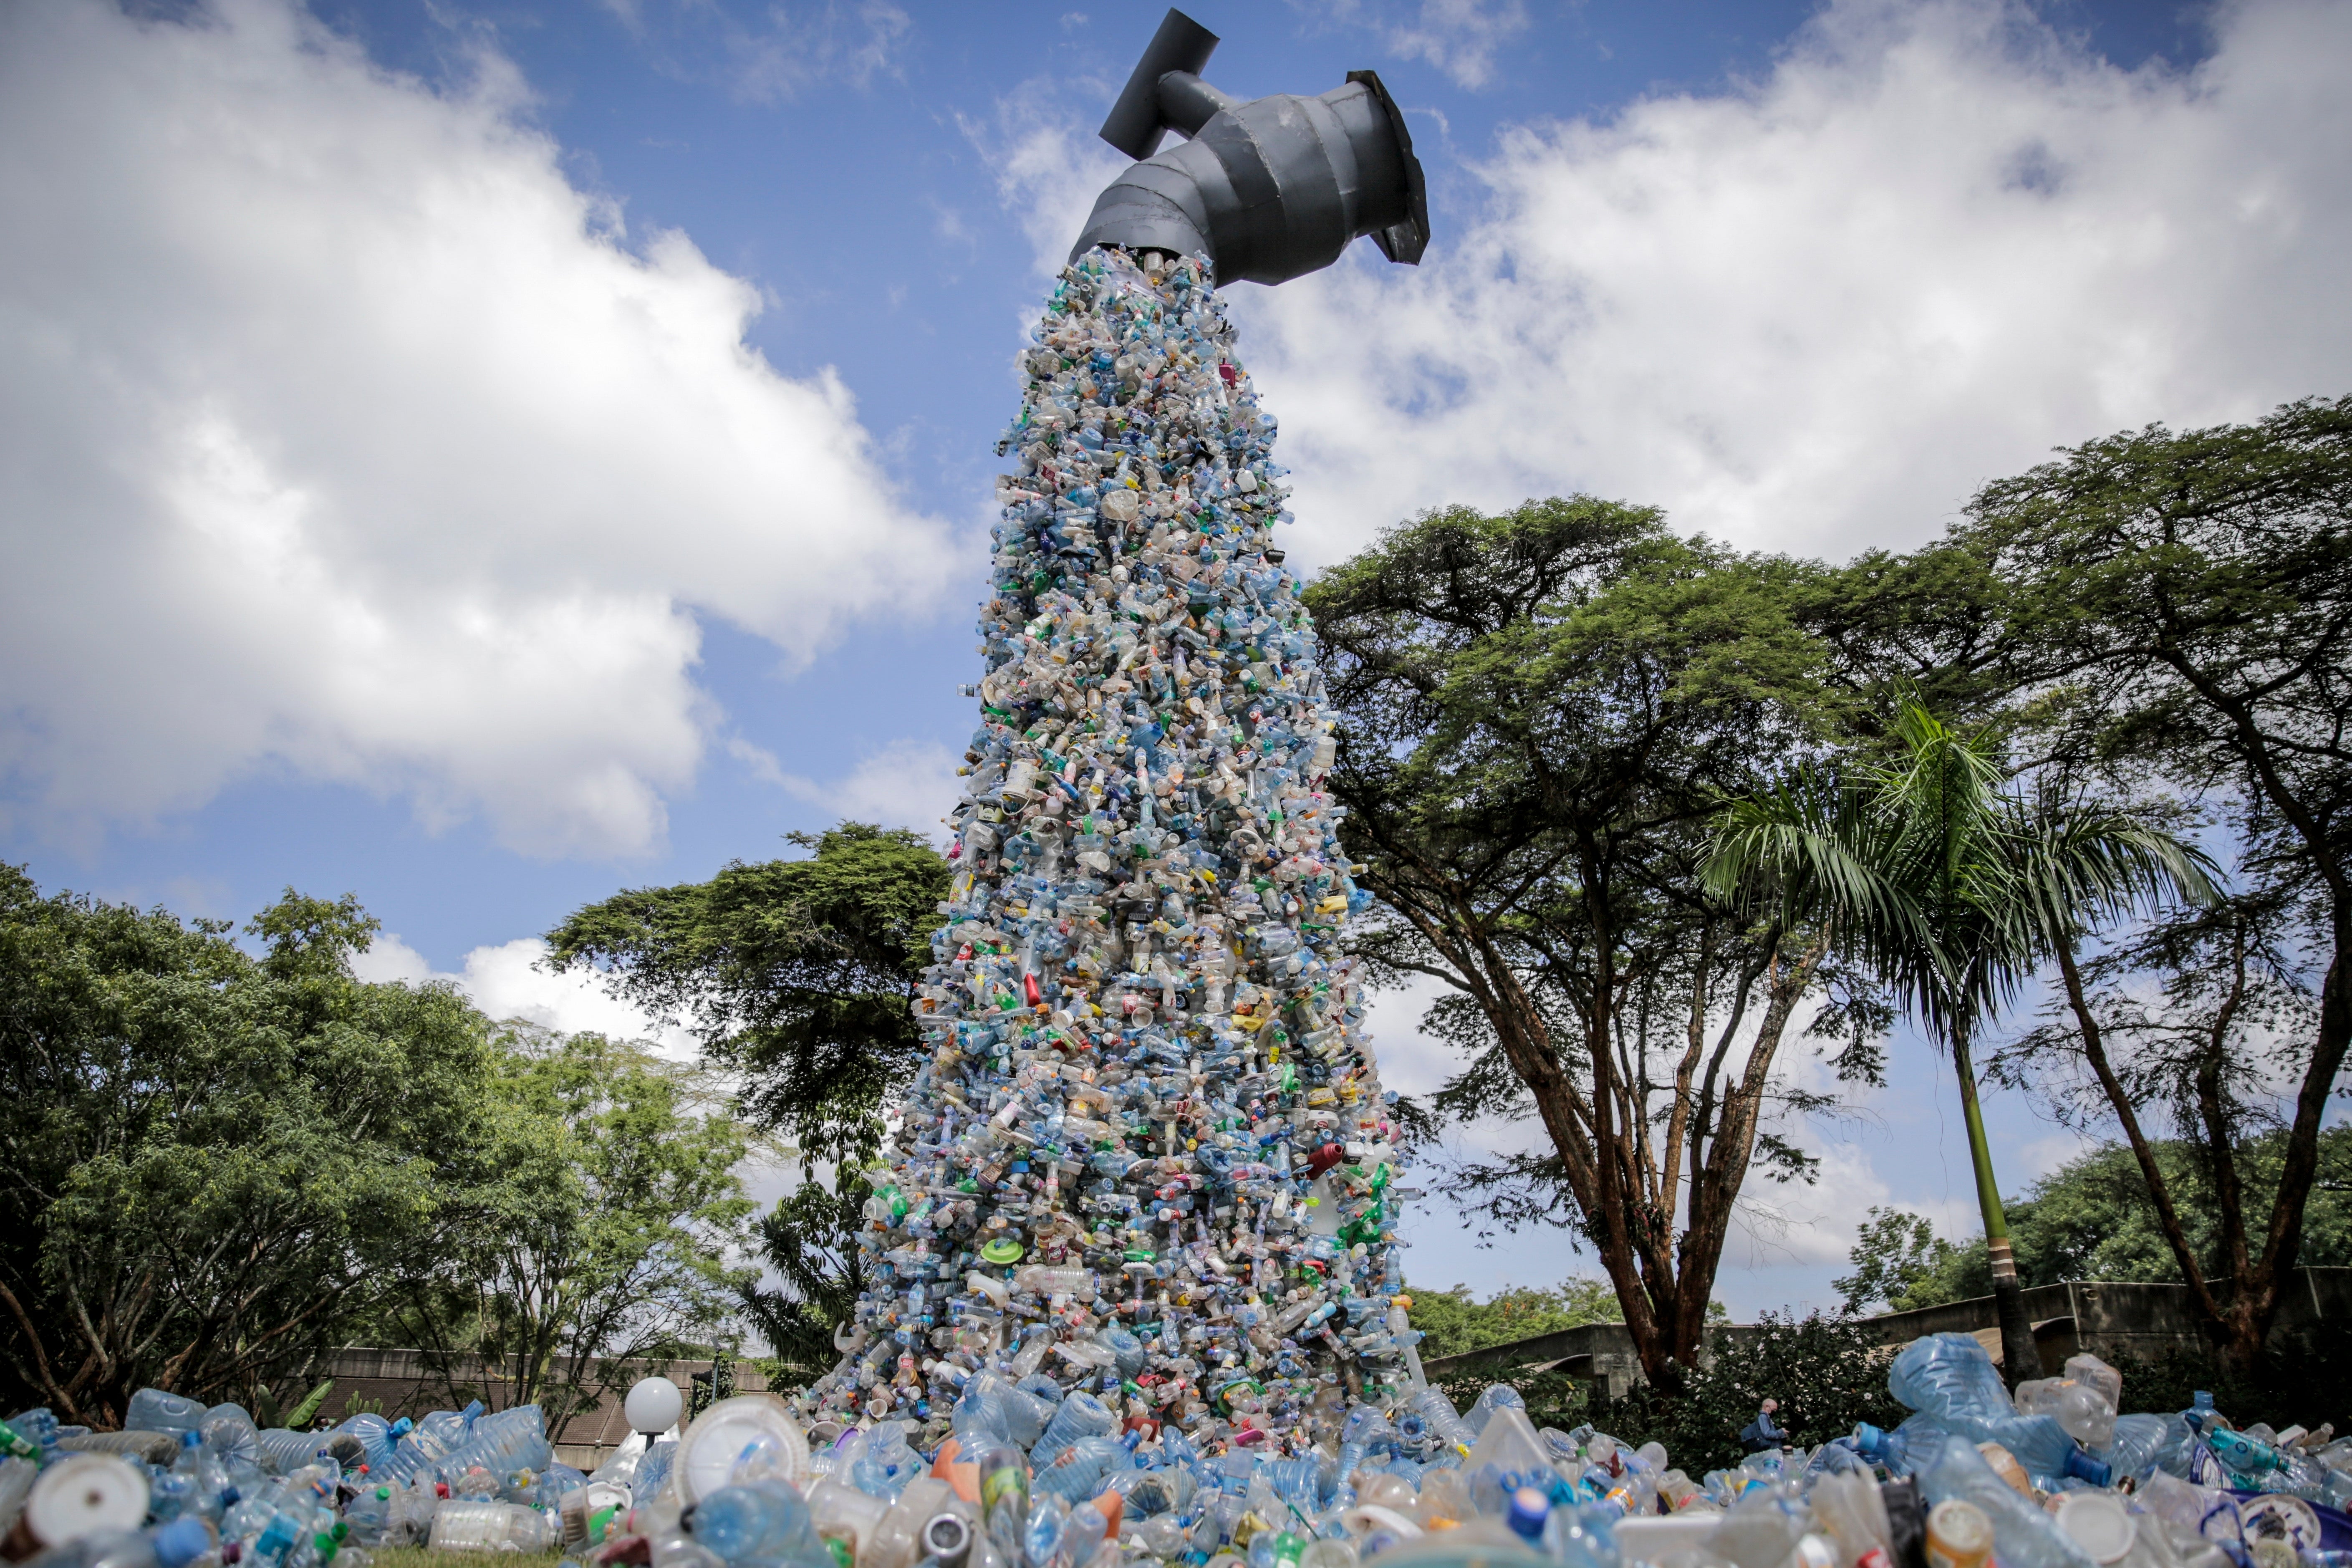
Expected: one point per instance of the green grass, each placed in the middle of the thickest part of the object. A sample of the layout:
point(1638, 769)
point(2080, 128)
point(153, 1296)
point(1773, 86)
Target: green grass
point(425, 1557)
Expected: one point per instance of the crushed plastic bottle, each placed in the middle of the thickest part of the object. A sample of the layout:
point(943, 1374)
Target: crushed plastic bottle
point(1148, 1173)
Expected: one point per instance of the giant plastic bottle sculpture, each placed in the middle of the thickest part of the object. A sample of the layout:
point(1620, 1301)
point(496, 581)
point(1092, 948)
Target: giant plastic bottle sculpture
point(1149, 1157)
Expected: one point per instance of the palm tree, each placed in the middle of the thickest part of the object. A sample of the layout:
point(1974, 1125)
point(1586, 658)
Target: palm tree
point(1952, 889)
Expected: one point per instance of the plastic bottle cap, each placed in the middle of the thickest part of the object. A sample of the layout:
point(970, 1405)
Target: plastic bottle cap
point(182, 1541)
point(84, 1494)
point(1958, 1535)
point(2098, 1524)
point(1004, 1249)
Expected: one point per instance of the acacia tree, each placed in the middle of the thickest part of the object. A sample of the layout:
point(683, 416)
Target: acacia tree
point(1541, 711)
point(2179, 607)
point(1951, 890)
point(799, 977)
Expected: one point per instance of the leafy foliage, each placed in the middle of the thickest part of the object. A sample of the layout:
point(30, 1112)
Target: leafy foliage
point(608, 1233)
point(1823, 1370)
point(2092, 1218)
point(1542, 712)
point(1457, 1322)
point(1894, 1258)
point(214, 1164)
point(2176, 613)
point(807, 1238)
point(797, 975)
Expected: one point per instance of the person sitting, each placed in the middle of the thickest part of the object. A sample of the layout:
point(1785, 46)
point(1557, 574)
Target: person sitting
point(1761, 1433)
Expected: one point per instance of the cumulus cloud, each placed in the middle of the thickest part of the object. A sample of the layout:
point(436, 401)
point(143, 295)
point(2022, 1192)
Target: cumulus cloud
point(341, 437)
point(509, 981)
point(907, 784)
point(1816, 310)
point(1460, 38)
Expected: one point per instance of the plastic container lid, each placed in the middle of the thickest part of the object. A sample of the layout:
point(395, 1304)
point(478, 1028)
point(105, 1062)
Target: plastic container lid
point(1958, 1533)
point(85, 1494)
point(2098, 1524)
point(717, 1438)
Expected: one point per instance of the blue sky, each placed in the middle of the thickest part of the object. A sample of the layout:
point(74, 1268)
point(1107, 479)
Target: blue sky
point(482, 455)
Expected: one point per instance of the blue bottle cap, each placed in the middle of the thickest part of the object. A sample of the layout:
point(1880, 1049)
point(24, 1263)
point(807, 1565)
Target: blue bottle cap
point(182, 1541)
point(1529, 1510)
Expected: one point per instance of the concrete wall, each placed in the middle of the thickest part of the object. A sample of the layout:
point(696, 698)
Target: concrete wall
point(400, 1383)
point(2108, 1318)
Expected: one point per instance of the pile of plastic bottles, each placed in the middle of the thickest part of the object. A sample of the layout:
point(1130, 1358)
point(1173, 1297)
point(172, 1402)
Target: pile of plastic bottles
point(1147, 1173)
point(2053, 1478)
point(185, 1485)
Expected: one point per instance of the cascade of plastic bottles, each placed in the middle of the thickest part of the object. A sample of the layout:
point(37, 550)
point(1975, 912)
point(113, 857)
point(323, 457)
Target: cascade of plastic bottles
point(1149, 1156)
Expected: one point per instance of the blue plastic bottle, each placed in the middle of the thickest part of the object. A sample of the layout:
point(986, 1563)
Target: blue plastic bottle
point(764, 1523)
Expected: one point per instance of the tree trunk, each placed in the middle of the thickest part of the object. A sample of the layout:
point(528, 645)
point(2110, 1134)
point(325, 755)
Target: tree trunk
point(2019, 1357)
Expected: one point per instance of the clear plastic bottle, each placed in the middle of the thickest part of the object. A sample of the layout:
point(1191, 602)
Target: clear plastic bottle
point(1081, 1416)
point(1950, 1378)
point(152, 1410)
point(2141, 1441)
point(282, 1452)
point(2024, 1536)
point(1444, 1420)
point(491, 1527)
point(1500, 1395)
point(765, 1522)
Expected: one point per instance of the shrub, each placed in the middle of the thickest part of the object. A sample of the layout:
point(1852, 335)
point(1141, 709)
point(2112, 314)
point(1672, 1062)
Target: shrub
point(1823, 1371)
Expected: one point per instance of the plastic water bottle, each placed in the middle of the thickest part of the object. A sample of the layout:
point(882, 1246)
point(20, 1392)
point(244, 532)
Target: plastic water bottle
point(152, 1410)
point(1444, 1419)
point(1904, 1448)
point(282, 1451)
point(1950, 1377)
point(2024, 1536)
point(2140, 1442)
point(1081, 1416)
point(376, 1436)
point(491, 1527)
point(766, 1522)
point(652, 1471)
point(1077, 1470)
point(1500, 1395)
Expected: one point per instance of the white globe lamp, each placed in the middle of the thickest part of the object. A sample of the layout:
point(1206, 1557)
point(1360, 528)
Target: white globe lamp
point(653, 1406)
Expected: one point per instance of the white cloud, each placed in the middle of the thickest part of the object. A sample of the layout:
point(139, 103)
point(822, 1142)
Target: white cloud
point(1816, 311)
point(798, 49)
point(340, 436)
point(1048, 168)
point(1460, 38)
point(509, 981)
point(907, 784)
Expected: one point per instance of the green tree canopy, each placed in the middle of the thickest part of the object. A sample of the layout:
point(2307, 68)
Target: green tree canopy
point(799, 976)
point(1541, 712)
point(612, 1231)
point(213, 1164)
point(2176, 613)
point(2092, 1219)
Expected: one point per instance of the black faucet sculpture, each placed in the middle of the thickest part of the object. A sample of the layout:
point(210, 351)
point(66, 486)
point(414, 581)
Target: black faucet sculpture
point(1267, 190)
